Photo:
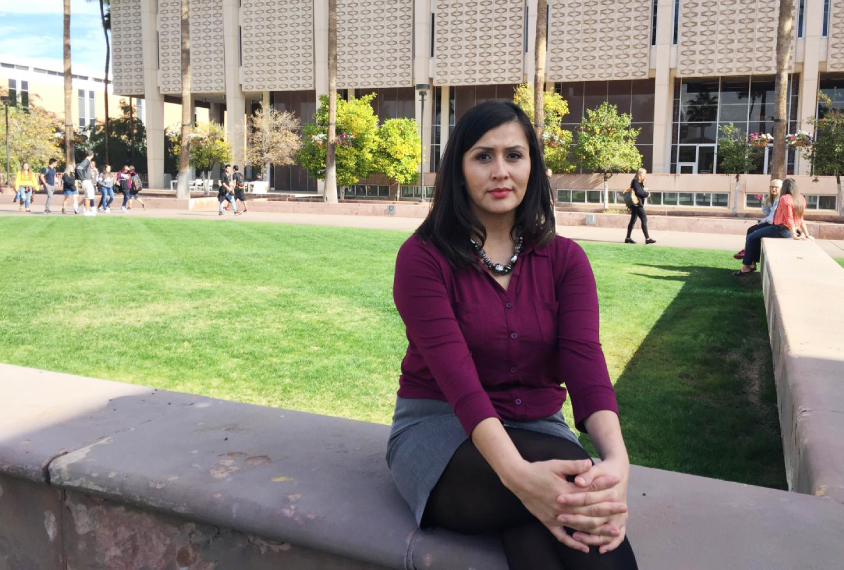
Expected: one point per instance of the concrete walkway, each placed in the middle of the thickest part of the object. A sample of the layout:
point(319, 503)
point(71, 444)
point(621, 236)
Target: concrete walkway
point(729, 242)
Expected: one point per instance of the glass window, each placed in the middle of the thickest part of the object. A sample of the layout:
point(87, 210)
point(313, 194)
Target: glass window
point(618, 94)
point(676, 21)
point(573, 94)
point(825, 18)
point(801, 10)
point(653, 22)
point(564, 196)
point(83, 109)
point(655, 198)
point(669, 198)
point(703, 199)
point(735, 90)
point(698, 132)
point(578, 196)
point(699, 100)
point(687, 154)
point(706, 160)
point(595, 196)
point(685, 199)
point(642, 100)
point(92, 109)
point(595, 93)
point(720, 200)
point(812, 202)
point(827, 203)
point(753, 200)
point(733, 113)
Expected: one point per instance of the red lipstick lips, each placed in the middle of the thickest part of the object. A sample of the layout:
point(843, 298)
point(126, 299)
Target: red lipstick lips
point(500, 192)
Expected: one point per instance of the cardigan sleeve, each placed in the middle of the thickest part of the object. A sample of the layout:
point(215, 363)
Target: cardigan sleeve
point(583, 367)
point(639, 189)
point(424, 304)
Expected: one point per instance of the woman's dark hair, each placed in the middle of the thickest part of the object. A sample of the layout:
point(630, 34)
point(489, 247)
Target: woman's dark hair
point(450, 223)
point(789, 187)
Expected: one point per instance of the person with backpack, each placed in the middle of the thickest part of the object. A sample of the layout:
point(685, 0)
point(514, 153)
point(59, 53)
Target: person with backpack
point(83, 173)
point(135, 186)
point(25, 182)
point(69, 190)
point(239, 189)
point(106, 182)
point(47, 178)
point(226, 192)
point(123, 183)
point(634, 198)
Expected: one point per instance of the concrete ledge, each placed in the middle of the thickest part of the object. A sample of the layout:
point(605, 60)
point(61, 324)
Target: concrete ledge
point(193, 479)
point(804, 289)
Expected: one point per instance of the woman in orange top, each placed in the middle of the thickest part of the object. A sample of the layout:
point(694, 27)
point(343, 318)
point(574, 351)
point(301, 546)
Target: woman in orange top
point(788, 219)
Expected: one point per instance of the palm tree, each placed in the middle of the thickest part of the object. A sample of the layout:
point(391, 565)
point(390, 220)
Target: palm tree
point(785, 28)
point(539, 78)
point(330, 154)
point(182, 191)
point(70, 160)
point(106, 21)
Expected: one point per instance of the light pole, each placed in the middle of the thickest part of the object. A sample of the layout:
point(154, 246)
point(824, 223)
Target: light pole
point(423, 89)
point(5, 99)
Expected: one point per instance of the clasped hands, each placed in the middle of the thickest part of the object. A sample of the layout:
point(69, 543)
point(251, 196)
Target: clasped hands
point(594, 506)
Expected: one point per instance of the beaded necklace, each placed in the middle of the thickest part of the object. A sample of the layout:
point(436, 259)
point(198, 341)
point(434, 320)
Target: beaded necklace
point(497, 268)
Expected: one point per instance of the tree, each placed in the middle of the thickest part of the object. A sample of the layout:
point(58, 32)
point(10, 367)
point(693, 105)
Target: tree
point(70, 161)
point(34, 136)
point(183, 190)
point(273, 138)
point(737, 156)
point(606, 144)
point(127, 141)
point(539, 77)
point(357, 126)
point(208, 146)
point(398, 150)
point(557, 139)
point(827, 153)
point(785, 36)
point(331, 142)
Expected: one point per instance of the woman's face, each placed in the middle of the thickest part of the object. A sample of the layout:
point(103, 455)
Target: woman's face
point(641, 176)
point(775, 188)
point(496, 171)
point(25, 166)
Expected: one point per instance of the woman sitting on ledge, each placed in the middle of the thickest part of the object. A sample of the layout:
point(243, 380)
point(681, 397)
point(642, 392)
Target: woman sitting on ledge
point(500, 312)
point(788, 219)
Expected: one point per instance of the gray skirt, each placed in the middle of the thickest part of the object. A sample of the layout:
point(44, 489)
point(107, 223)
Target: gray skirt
point(424, 436)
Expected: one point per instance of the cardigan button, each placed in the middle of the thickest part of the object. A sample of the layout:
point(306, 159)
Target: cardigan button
point(518, 401)
point(509, 305)
point(514, 336)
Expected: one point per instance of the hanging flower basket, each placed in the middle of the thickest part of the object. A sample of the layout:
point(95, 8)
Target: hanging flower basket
point(799, 139)
point(760, 140)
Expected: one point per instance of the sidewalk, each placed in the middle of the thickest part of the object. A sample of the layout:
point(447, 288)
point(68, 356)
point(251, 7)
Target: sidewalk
point(729, 242)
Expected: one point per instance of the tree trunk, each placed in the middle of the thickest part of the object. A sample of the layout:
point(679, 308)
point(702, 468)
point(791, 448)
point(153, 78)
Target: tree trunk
point(735, 196)
point(606, 191)
point(131, 130)
point(539, 78)
point(70, 159)
point(784, 39)
point(182, 190)
point(105, 78)
point(330, 147)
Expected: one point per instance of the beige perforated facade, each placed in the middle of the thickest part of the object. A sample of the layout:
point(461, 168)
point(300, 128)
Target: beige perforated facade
point(126, 48)
point(277, 45)
point(479, 42)
point(835, 53)
point(169, 47)
point(207, 51)
point(374, 43)
point(607, 39)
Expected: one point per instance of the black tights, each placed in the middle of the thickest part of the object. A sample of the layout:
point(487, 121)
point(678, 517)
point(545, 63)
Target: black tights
point(469, 498)
point(638, 212)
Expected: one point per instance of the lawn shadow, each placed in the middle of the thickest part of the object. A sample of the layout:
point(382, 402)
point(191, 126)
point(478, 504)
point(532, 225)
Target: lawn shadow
point(698, 395)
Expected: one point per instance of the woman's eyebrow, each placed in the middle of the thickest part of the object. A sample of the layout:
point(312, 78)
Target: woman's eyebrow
point(489, 148)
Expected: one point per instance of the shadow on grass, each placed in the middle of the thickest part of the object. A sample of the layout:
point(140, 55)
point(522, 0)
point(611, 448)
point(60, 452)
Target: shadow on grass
point(698, 396)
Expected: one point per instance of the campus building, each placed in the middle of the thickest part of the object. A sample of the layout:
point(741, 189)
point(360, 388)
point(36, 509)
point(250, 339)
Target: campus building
point(681, 68)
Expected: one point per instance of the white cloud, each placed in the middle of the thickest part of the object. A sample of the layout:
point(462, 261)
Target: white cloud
point(49, 7)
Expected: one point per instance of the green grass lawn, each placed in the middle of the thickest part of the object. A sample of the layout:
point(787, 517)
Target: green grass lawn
point(302, 317)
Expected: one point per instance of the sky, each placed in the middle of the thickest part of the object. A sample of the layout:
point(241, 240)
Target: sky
point(31, 34)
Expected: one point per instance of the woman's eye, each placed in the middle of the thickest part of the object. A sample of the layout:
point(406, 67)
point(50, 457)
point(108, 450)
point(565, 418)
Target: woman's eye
point(515, 155)
point(482, 156)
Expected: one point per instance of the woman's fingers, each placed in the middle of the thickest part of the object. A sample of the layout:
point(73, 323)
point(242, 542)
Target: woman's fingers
point(561, 535)
point(612, 545)
point(593, 539)
point(586, 498)
point(591, 524)
point(603, 509)
point(563, 467)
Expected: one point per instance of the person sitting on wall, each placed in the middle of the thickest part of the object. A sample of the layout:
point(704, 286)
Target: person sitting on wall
point(769, 208)
point(788, 219)
point(500, 312)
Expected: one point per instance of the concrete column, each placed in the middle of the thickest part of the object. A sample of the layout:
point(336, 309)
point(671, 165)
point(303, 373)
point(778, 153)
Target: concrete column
point(663, 88)
point(809, 77)
point(235, 119)
point(320, 60)
point(153, 100)
point(529, 64)
point(444, 117)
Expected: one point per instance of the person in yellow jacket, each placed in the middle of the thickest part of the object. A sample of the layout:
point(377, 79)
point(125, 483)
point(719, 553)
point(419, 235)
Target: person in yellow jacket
point(26, 182)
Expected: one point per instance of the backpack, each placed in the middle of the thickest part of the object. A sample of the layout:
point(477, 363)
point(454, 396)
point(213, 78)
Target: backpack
point(630, 198)
point(137, 185)
point(68, 181)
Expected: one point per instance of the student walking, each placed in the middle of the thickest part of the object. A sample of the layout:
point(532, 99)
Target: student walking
point(226, 192)
point(106, 182)
point(25, 182)
point(135, 186)
point(69, 190)
point(47, 178)
point(83, 172)
point(788, 219)
point(638, 194)
point(239, 189)
point(124, 183)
